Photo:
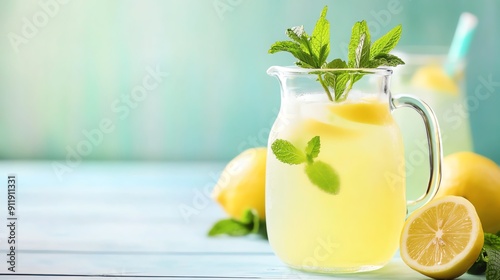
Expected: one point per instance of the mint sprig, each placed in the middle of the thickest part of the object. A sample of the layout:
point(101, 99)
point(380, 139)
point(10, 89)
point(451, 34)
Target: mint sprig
point(286, 152)
point(249, 223)
point(312, 52)
point(489, 259)
point(319, 173)
point(386, 43)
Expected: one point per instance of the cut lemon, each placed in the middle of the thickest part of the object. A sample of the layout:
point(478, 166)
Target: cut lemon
point(371, 112)
point(443, 238)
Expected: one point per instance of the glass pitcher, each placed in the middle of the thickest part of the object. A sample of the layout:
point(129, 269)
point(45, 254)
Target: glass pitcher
point(347, 214)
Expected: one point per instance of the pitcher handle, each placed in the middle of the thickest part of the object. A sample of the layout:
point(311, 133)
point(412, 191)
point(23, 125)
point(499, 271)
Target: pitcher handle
point(435, 147)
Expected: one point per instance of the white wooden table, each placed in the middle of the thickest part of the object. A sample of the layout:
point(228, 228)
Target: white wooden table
point(134, 220)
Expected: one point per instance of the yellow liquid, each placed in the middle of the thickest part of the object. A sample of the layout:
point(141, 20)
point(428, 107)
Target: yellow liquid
point(358, 229)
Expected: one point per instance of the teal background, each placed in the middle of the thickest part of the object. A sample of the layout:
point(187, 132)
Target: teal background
point(217, 99)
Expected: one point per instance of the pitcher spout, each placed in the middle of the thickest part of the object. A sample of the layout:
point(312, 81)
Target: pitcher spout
point(275, 71)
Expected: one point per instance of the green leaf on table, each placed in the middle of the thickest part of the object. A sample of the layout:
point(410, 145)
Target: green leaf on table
point(491, 241)
point(286, 152)
point(248, 224)
point(493, 268)
point(489, 258)
point(230, 227)
point(386, 43)
point(479, 267)
point(324, 176)
point(250, 217)
point(492, 248)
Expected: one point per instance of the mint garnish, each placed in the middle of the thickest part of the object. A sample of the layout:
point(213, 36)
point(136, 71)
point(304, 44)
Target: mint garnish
point(248, 224)
point(324, 176)
point(489, 259)
point(312, 52)
point(493, 268)
point(386, 43)
point(230, 227)
point(312, 149)
point(359, 46)
point(287, 153)
point(492, 248)
point(319, 173)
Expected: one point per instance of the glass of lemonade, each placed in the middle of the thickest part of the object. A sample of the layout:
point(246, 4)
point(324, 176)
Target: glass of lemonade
point(424, 75)
point(356, 228)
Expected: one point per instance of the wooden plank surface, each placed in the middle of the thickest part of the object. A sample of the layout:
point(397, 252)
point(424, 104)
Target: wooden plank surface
point(128, 219)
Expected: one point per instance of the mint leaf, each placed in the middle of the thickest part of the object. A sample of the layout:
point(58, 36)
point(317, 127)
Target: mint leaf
point(479, 267)
point(386, 43)
point(322, 175)
point(298, 34)
point(359, 46)
point(286, 152)
point(363, 51)
point(340, 85)
point(491, 241)
point(336, 64)
point(230, 227)
point(285, 46)
point(385, 59)
point(319, 173)
point(305, 60)
point(320, 39)
point(299, 47)
point(312, 149)
point(493, 268)
point(312, 52)
point(250, 217)
point(338, 82)
point(262, 229)
point(489, 258)
point(248, 224)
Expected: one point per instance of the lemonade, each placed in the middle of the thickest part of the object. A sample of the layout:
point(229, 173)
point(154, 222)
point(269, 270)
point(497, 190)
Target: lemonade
point(357, 229)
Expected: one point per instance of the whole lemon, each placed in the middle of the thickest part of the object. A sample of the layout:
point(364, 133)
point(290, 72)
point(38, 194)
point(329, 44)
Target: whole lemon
point(242, 184)
point(477, 179)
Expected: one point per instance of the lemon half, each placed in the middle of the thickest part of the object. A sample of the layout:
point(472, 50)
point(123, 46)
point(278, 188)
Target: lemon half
point(443, 238)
